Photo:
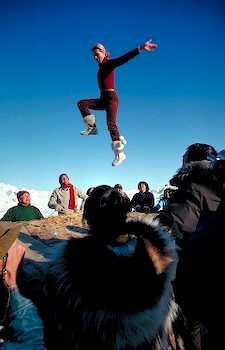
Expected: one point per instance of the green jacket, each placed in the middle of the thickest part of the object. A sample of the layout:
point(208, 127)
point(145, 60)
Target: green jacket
point(21, 213)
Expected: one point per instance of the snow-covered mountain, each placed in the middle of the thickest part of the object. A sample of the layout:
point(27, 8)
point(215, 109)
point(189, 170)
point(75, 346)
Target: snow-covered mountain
point(40, 198)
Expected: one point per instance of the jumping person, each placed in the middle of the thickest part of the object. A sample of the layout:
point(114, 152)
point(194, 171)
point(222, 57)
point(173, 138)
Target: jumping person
point(108, 98)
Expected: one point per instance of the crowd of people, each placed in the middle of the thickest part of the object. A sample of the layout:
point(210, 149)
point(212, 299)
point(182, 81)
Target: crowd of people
point(161, 286)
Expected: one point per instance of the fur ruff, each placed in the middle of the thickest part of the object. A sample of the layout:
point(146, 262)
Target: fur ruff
point(196, 172)
point(126, 304)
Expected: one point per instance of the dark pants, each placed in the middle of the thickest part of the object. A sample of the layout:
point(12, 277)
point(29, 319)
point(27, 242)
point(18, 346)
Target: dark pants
point(108, 101)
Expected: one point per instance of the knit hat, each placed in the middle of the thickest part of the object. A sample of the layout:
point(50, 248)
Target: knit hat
point(8, 234)
point(20, 193)
point(118, 186)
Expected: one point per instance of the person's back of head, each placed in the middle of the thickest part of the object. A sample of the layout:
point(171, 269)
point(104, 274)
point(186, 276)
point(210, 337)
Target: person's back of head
point(198, 152)
point(105, 212)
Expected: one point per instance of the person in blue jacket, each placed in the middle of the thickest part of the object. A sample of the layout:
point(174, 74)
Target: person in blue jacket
point(17, 313)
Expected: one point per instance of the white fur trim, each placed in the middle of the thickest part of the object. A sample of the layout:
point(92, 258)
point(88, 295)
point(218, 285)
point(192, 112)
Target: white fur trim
point(89, 120)
point(117, 146)
point(123, 140)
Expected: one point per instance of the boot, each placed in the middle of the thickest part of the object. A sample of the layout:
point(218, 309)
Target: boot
point(89, 122)
point(118, 147)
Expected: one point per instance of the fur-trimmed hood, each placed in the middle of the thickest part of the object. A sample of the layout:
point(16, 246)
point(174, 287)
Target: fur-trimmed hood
point(114, 296)
point(196, 172)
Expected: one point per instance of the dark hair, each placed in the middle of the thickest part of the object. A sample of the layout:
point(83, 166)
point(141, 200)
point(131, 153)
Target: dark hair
point(145, 183)
point(199, 151)
point(118, 186)
point(61, 176)
point(20, 193)
point(90, 189)
point(105, 212)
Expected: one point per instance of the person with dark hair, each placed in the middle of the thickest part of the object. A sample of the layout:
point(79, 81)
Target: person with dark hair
point(197, 152)
point(199, 282)
point(164, 201)
point(24, 211)
point(198, 194)
point(143, 201)
point(128, 303)
point(20, 324)
point(90, 189)
point(108, 100)
point(119, 188)
point(64, 199)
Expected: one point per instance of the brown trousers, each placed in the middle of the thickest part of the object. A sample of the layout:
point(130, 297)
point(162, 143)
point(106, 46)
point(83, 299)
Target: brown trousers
point(108, 101)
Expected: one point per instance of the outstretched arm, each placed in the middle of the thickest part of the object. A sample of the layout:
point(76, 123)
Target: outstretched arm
point(148, 46)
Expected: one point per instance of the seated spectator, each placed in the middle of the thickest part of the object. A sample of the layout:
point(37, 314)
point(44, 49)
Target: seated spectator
point(64, 199)
point(24, 211)
point(124, 305)
point(165, 199)
point(143, 201)
point(20, 325)
point(119, 188)
point(90, 189)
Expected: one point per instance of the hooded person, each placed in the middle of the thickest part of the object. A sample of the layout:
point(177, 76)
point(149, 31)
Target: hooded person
point(108, 100)
point(128, 303)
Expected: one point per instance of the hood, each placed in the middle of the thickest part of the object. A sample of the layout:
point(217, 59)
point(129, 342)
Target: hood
point(116, 296)
point(196, 172)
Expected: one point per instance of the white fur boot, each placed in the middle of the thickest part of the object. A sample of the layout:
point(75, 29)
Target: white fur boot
point(89, 122)
point(118, 147)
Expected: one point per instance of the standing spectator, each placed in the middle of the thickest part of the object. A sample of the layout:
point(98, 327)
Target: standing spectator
point(198, 194)
point(143, 201)
point(64, 199)
point(24, 211)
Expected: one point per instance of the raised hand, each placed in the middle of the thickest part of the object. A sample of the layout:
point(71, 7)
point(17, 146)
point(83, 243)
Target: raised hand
point(148, 46)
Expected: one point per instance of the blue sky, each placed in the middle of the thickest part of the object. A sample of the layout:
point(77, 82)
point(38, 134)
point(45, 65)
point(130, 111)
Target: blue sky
point(169, 99)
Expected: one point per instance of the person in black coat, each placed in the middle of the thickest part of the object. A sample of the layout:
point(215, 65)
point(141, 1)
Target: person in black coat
point(111, 290)
point(143, 201)
point(199, 282)
point(198, 194)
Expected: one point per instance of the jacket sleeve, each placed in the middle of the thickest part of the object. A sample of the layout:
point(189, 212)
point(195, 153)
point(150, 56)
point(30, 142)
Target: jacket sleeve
point(134, 200)
point(9, 215)
point(27, 326)
point(80, 194)
point(151, 200)
point(182, 217)
point(39, 215)
point(53, 202)
point(116, 62)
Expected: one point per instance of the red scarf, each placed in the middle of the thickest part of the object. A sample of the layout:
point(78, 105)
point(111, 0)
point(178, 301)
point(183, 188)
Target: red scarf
point(72, 203)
